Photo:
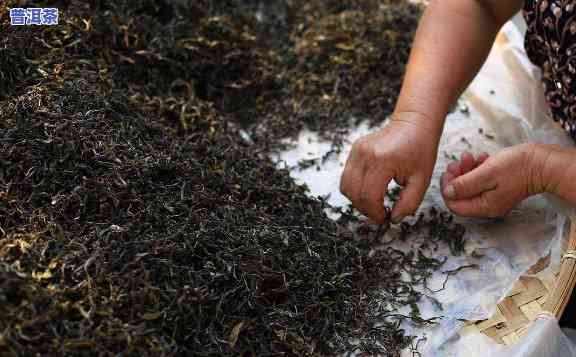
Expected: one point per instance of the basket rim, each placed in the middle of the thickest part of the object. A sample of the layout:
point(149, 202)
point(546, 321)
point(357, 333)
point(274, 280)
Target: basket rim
point(532, 297)
point(566, 279)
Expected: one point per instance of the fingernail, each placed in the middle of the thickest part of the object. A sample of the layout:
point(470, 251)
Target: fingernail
point(397, 219)
point(450, 192)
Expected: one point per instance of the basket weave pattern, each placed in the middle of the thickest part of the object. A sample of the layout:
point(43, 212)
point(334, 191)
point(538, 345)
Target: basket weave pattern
point(530, 297)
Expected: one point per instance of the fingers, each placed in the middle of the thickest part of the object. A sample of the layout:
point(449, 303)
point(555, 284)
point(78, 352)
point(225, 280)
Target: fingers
point(371, 199)
point(410, 199)
point(482, 157)
point(365, 188)
point(467, 162)
point(469, 185)
point(454, 169)
point(447, 177)
point(352, 177)
point(476, 206)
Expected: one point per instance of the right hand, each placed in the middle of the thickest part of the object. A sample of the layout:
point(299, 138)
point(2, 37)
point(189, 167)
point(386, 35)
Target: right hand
point(404, 150)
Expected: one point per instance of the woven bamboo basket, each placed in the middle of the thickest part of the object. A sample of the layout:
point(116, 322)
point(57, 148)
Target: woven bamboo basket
point(531, 297)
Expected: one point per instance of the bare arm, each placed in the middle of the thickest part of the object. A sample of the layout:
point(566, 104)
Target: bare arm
point(452, 42)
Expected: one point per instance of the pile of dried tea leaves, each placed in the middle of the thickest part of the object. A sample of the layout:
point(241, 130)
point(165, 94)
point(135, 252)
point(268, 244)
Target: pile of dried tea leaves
point(139, 212)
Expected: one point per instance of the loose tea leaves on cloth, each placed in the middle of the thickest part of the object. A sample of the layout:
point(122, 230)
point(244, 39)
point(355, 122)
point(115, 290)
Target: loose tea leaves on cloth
point(140, 214)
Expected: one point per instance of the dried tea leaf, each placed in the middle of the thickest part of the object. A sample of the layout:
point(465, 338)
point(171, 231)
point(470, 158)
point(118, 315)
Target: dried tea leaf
point(233, 338)
point(150, 316)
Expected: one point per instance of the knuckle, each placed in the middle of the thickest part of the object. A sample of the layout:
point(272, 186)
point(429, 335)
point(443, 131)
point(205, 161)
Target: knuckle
point(458, 186)
point(487, 208)
point(364, 148)
point(364, 197)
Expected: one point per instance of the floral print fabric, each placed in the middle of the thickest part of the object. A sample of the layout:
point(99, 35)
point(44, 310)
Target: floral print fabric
point(551, 45)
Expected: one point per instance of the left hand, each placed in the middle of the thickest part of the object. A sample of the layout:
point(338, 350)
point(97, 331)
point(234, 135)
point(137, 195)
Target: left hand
point(490, 186)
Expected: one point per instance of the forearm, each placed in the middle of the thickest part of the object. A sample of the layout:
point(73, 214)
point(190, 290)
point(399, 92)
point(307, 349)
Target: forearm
point(452, 42)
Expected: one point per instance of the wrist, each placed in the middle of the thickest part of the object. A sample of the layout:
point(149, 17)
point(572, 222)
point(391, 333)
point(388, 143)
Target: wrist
point(539, 168)
point(552, 169)
point(429, 125)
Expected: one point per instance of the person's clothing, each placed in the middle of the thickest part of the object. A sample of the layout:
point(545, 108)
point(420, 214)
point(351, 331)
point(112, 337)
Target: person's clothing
point(551, 45)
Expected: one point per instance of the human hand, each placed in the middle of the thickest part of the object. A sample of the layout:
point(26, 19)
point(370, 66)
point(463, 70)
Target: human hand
point(491, 186)
point(404, 150)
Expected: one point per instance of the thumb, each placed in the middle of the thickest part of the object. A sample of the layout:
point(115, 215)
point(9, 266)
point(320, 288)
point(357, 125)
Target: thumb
point(410, 199)
point(469, 185)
